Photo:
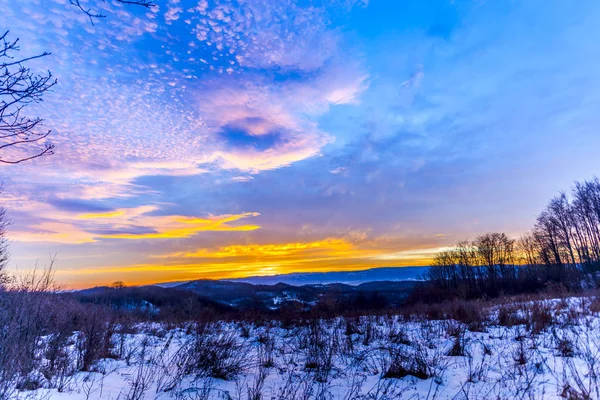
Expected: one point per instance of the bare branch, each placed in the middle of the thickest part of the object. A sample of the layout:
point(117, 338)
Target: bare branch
point(48, 150)
point(20, 86)
point(91, 14)
point(143, 3)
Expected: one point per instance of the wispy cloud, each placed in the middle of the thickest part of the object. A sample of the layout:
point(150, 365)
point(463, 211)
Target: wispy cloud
point(171, 227)
point(135, 223)
point(332, 247)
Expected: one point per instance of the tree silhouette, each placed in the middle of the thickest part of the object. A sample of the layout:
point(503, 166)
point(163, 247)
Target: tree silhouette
point(4, 254)
point(21, 137)
point(92, 15)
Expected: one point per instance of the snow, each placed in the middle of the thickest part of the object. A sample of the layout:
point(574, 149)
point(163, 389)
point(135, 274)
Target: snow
point(348, 359)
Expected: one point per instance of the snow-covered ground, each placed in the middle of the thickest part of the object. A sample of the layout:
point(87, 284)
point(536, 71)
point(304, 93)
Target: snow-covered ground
point(552, 351)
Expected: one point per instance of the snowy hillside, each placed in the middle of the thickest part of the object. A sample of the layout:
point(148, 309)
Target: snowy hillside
point(538, 349)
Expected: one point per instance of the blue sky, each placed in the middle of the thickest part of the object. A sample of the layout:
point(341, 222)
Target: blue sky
point(231, 138)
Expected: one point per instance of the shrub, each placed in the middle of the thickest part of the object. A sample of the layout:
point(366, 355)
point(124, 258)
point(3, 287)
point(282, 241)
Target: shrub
point(458, 348)
point(509, 316)
point(211, 352)
point(320, 350)
point(471, 313)
point(539, 317)
point(565, 347)
point(402, 365)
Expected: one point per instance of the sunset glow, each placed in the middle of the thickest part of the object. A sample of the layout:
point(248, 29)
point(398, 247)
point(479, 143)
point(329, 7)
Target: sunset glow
point(225, 139)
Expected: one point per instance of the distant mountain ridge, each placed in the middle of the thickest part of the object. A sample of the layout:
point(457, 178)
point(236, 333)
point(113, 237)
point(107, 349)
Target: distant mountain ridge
point(376, 287)
point(352, 278)
point(246, 295)
point(384, 286)
point(391, 284)
point(225, 296)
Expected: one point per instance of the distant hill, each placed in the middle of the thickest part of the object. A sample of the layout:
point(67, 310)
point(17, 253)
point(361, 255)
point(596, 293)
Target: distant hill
point(227, 297)
point(376, 287)
point(243, 295)
point(150, 299)
point(392, 274)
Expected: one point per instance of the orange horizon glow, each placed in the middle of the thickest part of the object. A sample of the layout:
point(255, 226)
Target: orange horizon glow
point(217, 275)
point(187, 260)
point(241, 261)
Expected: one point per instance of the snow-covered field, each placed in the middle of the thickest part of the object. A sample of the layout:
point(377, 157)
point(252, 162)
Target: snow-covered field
point(547, 349)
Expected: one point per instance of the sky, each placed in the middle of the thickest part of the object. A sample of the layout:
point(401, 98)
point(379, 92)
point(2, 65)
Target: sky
point(230, 138)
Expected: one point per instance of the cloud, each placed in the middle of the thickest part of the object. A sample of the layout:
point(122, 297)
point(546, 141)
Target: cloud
point(284, 34)
point(172, 14)
point(339, 170)
point(353, 252)
point(167, 110)
point(181, 94)
point(415, 78)
point(242, 178)
point(135, 223)
point(328, 247)
point(119, 215)
point(77, 205)
point(354, 245)
point(236, 136)
point(175, 226)
point(266, 125)
point(106, 214)
point(52, 232)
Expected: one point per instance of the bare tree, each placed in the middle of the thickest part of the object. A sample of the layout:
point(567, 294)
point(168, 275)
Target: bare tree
point(496, 252)
point(93, 15)
point(4, 254)
point(21, 138)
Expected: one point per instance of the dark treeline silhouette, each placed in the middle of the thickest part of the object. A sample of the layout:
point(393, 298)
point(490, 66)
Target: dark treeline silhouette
point(563, 248)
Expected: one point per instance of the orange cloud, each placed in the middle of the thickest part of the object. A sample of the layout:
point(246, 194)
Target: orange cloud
point(123, 224)
point(108, 214)
point(175, 226)
point(54, 232)
point(329, 246)
point(234, 261)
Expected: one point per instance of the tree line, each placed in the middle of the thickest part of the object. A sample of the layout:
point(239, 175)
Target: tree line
point(562, 248)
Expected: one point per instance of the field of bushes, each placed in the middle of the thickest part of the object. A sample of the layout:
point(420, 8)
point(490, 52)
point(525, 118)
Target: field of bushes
point(544, 346)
